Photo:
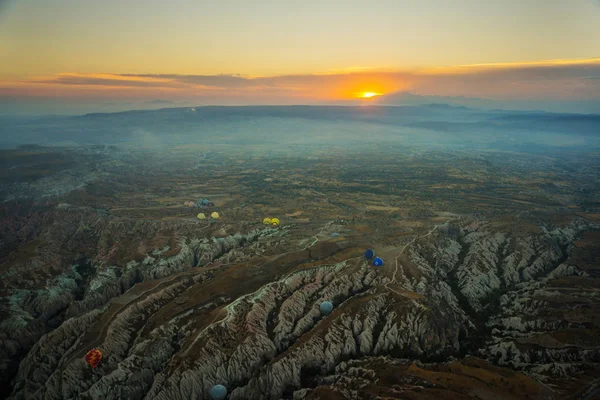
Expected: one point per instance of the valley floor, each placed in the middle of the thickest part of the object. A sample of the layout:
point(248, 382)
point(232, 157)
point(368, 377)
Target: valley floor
point(490, 287)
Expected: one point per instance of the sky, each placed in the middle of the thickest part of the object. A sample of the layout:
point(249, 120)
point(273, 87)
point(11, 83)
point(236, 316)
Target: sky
point(127, 53)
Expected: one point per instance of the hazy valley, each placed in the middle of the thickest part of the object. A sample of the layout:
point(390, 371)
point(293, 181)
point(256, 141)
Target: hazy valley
point(488, 223)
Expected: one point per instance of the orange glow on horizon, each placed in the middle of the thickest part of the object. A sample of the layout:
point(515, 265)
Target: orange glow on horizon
point(355, 84)
point(368, 95)
point(367, 86)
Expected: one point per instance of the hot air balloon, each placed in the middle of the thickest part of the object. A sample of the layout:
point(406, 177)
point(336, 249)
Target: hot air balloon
point(267, 221)
point(335, 234)
point(214, 215)
point(218, 392)
point(378, 262)
point(204, 202)
point(369, 254)
point(326, 307)
point(201, 216)
point(275, 221)
point(93, 357)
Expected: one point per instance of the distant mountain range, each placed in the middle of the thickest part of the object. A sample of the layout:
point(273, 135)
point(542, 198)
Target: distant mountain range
point(31, 107)
point(573, 106)
point(427, 125)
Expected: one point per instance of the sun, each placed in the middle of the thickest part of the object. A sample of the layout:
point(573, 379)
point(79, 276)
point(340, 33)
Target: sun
point(368, 95)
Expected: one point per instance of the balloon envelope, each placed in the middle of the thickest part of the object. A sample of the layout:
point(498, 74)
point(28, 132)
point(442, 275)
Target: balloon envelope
point(93, 357)
point(267, 221)
point(201, 216)
point(378, 262)
point(274, 221)
point(218, 392)
point(335, 234)
point(214, 215)
point(369, 254)
point(326, 307)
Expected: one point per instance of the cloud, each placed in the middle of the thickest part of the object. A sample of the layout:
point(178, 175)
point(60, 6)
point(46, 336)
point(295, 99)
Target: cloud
point(558, 80)
point(532, 71)
point(229, 81)
point(113, 80)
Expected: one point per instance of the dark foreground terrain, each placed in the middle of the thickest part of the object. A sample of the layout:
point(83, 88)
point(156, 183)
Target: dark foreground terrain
point(490, 288)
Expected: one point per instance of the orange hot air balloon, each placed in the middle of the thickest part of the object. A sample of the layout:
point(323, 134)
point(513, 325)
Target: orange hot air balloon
point(93, 357)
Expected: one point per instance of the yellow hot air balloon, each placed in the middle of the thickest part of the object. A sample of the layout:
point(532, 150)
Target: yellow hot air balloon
point(201, 216)
point(274, 221)
point(214, 215)
point(267, 221)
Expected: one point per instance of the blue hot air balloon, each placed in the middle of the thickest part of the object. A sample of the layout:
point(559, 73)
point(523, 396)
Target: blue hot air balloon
point(378, 262)
point(218, 392)
point(326, 307)
point(369, 254)
point(335, 234)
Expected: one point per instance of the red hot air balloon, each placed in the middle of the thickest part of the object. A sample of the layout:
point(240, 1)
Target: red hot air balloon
point(93, 357)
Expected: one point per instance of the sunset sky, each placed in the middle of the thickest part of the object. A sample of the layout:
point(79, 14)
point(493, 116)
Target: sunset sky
point(295, 52)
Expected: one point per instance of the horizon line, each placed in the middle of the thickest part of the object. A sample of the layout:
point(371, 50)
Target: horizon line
point(301, 105)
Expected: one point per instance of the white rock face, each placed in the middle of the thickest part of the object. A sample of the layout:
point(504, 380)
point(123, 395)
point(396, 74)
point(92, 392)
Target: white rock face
point(47, 353)
point(193, 253)
point(482, 262)
point(478, 284)
point(295, 300)
point(60, 374)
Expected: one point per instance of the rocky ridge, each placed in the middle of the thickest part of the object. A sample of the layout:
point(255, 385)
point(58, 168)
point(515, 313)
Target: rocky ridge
point(69, 295)
point(466, 290)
